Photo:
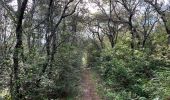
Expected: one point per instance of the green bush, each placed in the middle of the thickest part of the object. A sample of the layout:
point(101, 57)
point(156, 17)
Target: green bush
point(128, 77)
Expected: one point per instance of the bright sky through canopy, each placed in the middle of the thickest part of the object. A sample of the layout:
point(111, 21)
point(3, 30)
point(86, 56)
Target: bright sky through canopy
point(91, 6)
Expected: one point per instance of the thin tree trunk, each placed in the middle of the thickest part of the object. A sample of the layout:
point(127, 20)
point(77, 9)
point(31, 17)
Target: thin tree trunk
point(132, 33)
point(98, 34)
point(167, 28)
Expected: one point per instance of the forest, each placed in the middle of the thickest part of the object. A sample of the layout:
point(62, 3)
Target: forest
point(84, 49)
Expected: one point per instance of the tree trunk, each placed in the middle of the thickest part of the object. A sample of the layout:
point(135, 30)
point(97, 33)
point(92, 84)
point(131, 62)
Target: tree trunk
point(18, 51)
point(167, 28)
point(131, 28)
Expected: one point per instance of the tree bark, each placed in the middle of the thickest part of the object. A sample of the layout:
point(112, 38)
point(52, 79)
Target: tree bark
point(167, 28)
point(18, 50)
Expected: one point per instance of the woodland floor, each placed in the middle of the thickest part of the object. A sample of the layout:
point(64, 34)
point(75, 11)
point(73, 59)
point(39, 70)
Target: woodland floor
point(89, 91)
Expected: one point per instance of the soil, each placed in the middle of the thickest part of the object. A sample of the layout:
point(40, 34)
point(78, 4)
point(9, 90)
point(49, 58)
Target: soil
point(89, 91)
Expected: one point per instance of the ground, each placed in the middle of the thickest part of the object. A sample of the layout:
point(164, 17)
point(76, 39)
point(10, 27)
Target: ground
point(89, 91)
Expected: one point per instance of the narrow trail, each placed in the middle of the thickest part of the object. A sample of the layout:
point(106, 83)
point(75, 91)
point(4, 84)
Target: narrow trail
point(88, 86)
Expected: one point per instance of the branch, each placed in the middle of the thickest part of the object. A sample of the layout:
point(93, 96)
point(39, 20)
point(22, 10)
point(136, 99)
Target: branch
point(152, 27)
point(72, 10)
point(10, 11)
point(155, 6)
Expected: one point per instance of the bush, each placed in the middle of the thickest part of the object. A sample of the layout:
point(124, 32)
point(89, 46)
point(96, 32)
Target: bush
point(123, 73)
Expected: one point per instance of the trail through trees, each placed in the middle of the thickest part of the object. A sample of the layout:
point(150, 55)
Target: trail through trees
point(89, 91)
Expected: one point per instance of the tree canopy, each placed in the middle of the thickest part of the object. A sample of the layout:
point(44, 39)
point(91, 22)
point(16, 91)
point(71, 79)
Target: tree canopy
point(48, 46)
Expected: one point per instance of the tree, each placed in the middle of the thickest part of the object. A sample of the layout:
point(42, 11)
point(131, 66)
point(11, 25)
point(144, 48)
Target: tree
point(52, 29)
point(18, 50)
point(148, 24)
point(163, 13)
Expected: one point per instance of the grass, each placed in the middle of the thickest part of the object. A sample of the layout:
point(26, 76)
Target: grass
point(99, 85)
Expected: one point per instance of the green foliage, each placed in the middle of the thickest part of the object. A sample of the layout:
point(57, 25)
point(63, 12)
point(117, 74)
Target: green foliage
point(7, 97)
point(131, 77)
point(67, 70)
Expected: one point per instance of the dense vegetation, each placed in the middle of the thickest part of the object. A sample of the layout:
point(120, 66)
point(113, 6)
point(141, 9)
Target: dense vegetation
point(46, 44)
point(124, 77)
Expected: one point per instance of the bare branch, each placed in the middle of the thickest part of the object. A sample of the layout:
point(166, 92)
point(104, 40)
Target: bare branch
point(10, 10)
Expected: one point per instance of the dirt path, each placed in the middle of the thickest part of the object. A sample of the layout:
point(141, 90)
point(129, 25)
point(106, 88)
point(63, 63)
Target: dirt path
point(88, 86)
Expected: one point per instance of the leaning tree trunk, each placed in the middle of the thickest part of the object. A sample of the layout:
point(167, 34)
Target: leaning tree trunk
point(166, 27)
point(18, 51)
